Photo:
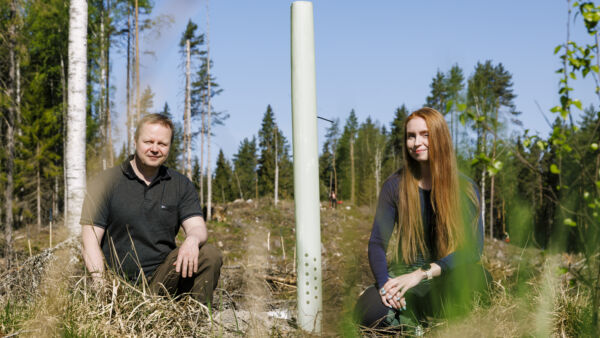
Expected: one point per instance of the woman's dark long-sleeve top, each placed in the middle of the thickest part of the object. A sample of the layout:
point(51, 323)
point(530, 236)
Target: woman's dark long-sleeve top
point(386, 217)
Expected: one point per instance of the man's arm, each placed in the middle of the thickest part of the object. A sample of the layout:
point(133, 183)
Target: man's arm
point(92, 254)
point(195, 235)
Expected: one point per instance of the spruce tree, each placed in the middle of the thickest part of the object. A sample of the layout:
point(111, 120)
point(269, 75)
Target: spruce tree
point(267, 136)
point(223, 187)
point(245, 163)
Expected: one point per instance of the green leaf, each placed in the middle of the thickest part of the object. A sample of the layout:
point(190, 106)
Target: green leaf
point(541, 145)
point(556, 109)
point(461, 106)
point(498, 165)
point(557, 49)
point(554, 169)
point(527, 143)
point(577, 104)
point(572, 76)
point(594, 146)
point(570, 222)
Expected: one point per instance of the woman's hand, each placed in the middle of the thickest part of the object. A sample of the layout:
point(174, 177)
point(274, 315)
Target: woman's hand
point(392, 292)
point(392, 301)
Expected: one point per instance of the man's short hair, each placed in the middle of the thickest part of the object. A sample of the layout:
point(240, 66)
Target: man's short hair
point(155, 118)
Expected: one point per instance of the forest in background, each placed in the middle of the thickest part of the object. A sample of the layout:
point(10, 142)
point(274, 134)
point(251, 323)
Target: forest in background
point(539, 190)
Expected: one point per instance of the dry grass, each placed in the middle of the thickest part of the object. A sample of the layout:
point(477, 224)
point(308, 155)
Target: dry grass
point(49, 294)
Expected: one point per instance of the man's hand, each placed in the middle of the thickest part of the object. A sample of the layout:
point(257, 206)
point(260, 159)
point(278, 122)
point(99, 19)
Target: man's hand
point(195, 236)
point(187, 258)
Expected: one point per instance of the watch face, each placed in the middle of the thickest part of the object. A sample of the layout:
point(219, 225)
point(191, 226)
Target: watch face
point(426, 267)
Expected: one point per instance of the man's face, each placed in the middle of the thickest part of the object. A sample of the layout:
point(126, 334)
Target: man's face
point(152, 145)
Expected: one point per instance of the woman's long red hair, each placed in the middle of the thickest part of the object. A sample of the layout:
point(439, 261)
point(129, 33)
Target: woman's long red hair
point(445, 194)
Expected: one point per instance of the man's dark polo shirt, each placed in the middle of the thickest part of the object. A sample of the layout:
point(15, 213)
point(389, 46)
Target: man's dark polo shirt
point(140, 221)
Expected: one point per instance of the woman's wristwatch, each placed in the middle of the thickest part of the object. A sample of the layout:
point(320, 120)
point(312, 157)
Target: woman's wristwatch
point(427, 269)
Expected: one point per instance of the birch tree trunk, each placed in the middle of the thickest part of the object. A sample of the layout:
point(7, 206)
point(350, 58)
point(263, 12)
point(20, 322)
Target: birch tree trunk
point(10, 134)
point(137, 65)
point(101, 100)
point(208, 91)
point(75, 147)
point(108, 142)
point(202, 133)
point(276, 190)
point(378, 156)
point(128, 88)
point(493, 178)
point(352, 176)
point(482, 183)
point(187, 138)
point(65, 105)
point(38, 190)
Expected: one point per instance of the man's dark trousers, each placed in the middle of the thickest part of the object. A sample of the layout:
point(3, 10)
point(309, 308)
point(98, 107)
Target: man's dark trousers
point(200, 285)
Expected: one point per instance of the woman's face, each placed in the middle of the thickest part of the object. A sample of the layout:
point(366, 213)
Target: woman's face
point(417, 139)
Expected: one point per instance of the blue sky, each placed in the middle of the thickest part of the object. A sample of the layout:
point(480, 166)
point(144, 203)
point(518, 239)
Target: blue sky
point(370, 56)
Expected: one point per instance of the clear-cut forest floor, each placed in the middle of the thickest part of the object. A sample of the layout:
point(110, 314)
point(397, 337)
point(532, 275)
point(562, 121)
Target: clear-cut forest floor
point(46, 292)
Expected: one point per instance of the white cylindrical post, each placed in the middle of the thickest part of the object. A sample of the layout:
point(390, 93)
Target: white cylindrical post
point(306, 168)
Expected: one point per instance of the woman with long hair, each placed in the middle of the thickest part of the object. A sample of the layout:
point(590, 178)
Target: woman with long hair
point(429, 214)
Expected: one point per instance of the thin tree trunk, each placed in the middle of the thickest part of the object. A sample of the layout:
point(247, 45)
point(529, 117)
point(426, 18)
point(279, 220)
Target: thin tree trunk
point(65, 105)
point(10, 134)
point(352, 176)
point(137, 64)
point(54, 213)
point(128, 89)
point(482, 183)
point(208, 90)
point(102, 100)
point(493, 178)
point(378, 155)
point(335, 173)
point(109, 143)
point(75, 145)
point(187, 118)
point(276, 190)
point(18, 96)
point(202, 133)
point(38, 190)
point(237, 178)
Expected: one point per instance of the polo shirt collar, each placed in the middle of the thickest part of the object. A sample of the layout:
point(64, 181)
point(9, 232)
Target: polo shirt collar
point(163, 172)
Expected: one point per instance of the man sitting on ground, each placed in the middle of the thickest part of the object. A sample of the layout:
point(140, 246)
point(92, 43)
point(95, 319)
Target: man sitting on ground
point(132, 213)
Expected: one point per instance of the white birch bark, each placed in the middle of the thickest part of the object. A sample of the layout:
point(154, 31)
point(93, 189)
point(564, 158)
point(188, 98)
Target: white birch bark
point(208, 171)
point(202, 133)
point(38, 190)
point(10, 135)
point(378, 160)
point(101, 101)
point(188, 113)
point(276, 189)
point(75, 147)
point(128, 88)
point(137, 66)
